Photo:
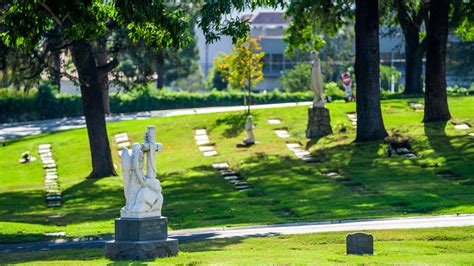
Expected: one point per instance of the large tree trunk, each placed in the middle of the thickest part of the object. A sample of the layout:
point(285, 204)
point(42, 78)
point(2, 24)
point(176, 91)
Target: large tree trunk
point(160, 70)
point(102, 58)
point(414, 51)
point(410, 22)
point(414, 69)
point(369, 114)
point(436, 99)
point(83, 58)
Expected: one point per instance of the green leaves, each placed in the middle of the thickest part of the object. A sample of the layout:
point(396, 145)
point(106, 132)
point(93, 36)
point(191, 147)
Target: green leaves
point(158, 23)
point(466, 30)
point(217, 17)
point(23, 25)
point(310, 18)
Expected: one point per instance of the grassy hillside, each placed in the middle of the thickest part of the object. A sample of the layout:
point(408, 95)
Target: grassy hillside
point(285, 189)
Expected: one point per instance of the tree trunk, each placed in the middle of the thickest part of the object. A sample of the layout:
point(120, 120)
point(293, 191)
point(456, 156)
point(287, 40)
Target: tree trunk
point(410, 22)
point(54, 68)
point(102, 58)
point(414, 69)
point(160, 71)
point(436, 99)
point(83, 58)
point(369, 114)
point(414, 51)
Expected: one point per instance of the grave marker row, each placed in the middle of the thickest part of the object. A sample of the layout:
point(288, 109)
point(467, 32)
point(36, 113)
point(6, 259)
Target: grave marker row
point(235, 178)
point(204, 143)
point(123, 141)
point(302, 153)
point(53, 195)
point(350, 184)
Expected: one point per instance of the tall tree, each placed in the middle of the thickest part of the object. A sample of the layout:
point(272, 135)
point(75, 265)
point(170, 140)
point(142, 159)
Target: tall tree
point(308, 18)
point(369, 114)
point(83, 22)
point(436, 100)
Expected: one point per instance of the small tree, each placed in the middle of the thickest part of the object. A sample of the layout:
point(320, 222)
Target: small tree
point(243, 68)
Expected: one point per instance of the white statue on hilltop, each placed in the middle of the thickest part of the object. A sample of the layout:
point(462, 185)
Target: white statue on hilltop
point(142, 191)
point(250, 139)
point(316, 82)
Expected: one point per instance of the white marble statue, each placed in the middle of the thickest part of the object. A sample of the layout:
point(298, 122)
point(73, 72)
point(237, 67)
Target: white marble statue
point(316, 82)
point(142, 191)
point(250, 139)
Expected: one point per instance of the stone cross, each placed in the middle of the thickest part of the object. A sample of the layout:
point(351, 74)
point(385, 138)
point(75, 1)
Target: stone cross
point(150, 147)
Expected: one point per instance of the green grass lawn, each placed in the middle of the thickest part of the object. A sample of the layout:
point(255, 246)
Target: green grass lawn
point(285, 189)
point(445, 246)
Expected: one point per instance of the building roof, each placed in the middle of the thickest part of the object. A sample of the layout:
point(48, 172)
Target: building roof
point(268, 18)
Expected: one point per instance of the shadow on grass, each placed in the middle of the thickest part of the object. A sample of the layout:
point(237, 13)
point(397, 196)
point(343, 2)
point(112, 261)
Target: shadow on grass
point(55, 256)
point(85, 201)
point(91, 254)
point(312, 142)
point(22, 237)
point(284, 189)
point(217, 244)
point(458, 158)
point(235, 124)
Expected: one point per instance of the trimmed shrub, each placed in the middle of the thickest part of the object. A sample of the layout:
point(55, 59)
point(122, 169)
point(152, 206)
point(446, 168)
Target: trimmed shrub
point(44, 104)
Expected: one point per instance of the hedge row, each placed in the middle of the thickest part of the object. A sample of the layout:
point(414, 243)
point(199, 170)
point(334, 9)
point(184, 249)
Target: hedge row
point(44, 104)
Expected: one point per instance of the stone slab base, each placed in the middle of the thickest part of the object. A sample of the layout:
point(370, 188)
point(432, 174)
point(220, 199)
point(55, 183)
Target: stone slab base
point(141, 250)
point(141, 229)
point(319, 122)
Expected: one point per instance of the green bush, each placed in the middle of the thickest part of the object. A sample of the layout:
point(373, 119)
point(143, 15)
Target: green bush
point(297, 79)
point(44, 104)
point(332, 89)
point(457, 90)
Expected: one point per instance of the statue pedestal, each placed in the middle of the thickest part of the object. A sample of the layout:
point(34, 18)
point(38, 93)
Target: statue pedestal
point(319, 122)
point(141, 239)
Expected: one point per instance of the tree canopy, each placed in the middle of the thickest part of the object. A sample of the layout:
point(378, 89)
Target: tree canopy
point(158, 24)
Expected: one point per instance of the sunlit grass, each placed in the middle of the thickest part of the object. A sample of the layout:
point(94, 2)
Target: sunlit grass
point(440, 246)
point(284, 188)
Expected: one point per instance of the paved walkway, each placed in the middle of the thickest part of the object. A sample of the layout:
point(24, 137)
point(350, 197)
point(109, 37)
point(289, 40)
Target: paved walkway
point(30, 128)
point(266, 230)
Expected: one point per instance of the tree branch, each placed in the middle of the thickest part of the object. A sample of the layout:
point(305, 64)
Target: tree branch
point(421, 14)
point(109, 66)
point(46, 7)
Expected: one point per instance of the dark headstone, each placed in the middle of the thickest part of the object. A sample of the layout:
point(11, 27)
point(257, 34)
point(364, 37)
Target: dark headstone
point(129, 229)
point(141, 239)
point(319, 123)
point(359, 244)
